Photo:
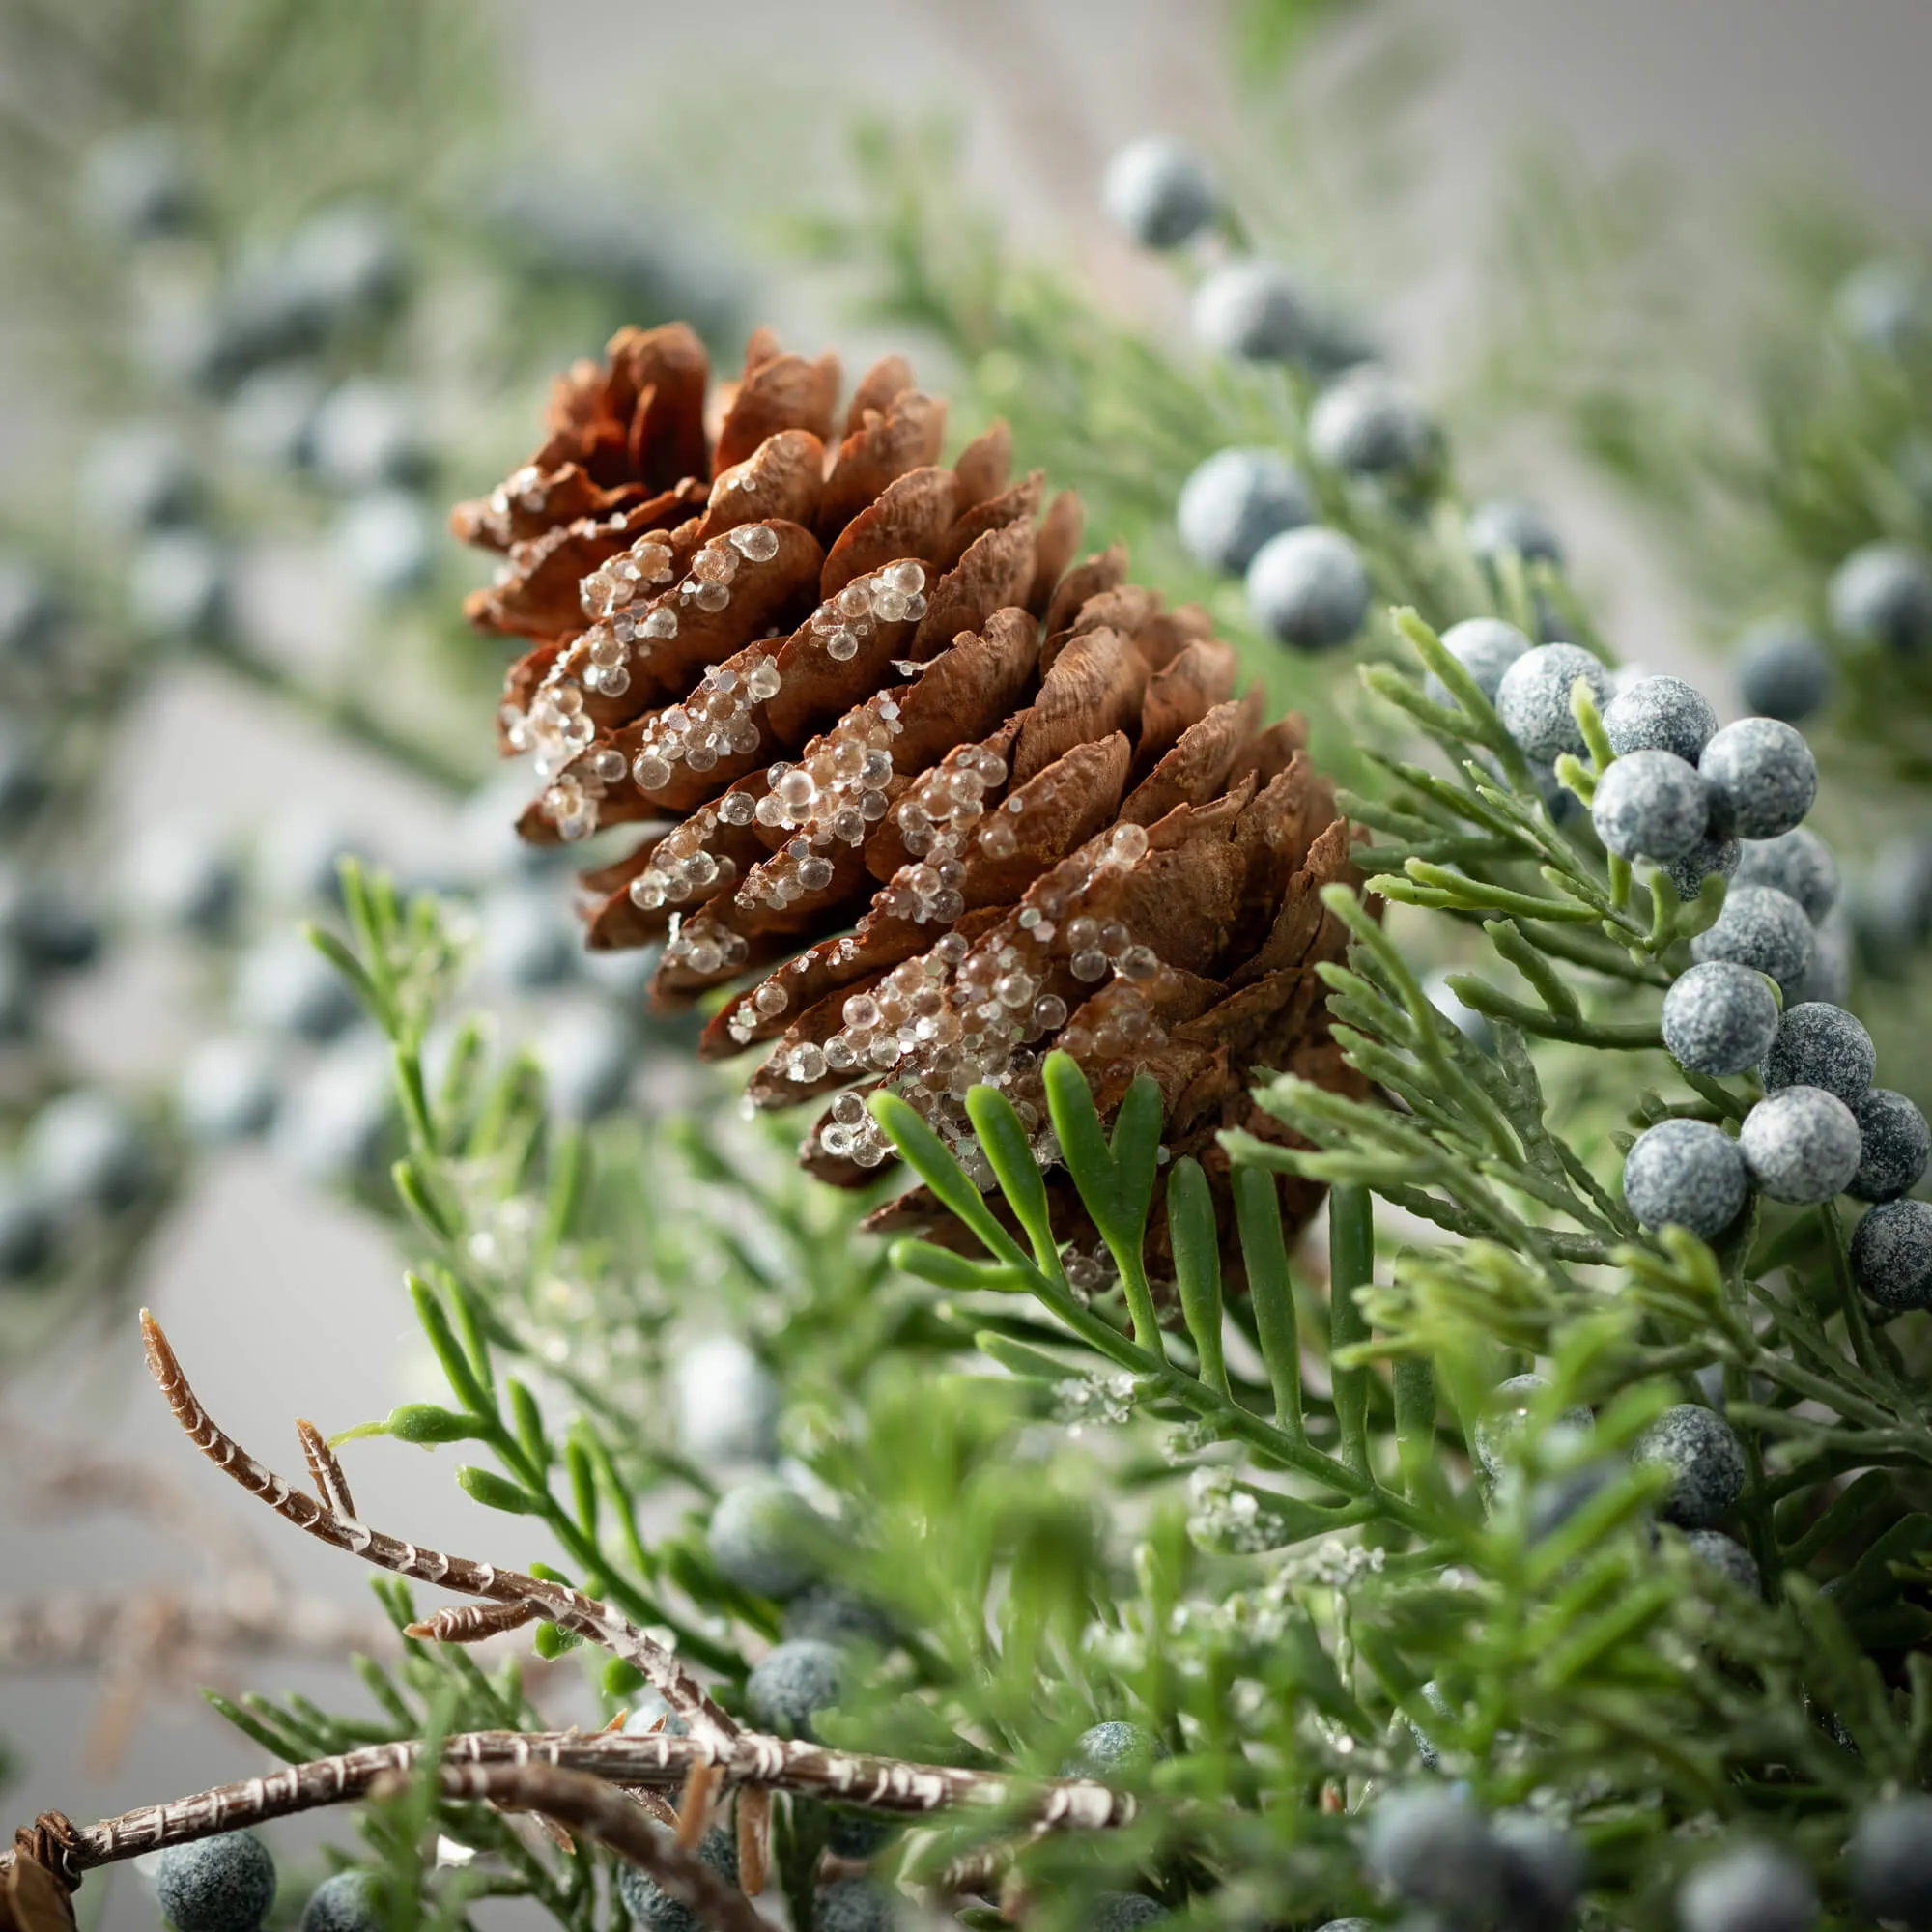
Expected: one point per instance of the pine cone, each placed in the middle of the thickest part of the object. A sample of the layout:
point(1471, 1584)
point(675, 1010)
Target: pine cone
point(940, 798)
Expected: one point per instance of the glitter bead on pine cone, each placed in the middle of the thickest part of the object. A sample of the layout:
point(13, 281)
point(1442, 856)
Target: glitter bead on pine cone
point(924, 796)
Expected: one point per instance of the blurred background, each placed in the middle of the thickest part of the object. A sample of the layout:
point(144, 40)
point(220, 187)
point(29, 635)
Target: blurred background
point(280, 282)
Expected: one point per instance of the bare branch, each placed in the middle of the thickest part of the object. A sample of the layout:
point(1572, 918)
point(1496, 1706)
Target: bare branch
point(570, 1610)
point(660, 1761)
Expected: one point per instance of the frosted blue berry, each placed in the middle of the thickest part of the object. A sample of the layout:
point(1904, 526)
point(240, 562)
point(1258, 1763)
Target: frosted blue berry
point(853, 1905)
point(1254, 310)
point(1107, 1749)
point(791, 1682)
point(1122, 1912)
point(177, 585)
point(1650, 804)
point(46, 924)
point(1820, 1045)
point(1371, 423)
point(85, 1151)
point(1834, 942)
point(1892, 906)
point(652, 1907)
point(1533, 698)
point(228, 1090)
point(366, 435)
point(1430, 1845)
point(333, 1125)
point(284, 985)
point(385, 542)
point(1882, 594)
point(217, 1885)
point(1308, 589)
point(1719, 1018)
point(1553, 1501)
point(1750, 1888)
point(343, 263)
point(837, 1616)
point(349, 1902)
point(1234, 502)
point(1659, 714)
point(1696, 1445)
point(1493, 1438)
point(1801, 1145)
point(587, 1055)
point(271, 418)
point(1798, 862)
point(1888, 1862)
point(136, 185)
point(300, 858)
point(1711, 854)
point(1764, 929)
point(1686, 1173)
point(1503, 524)
point(1782, 671)
point(1897, 1144)
point(1883, 304)
point(1473, 1025)
point(1157, 193)
point(139, 478)
point(727, 1405)
point(186, 880)
point(528, 939)
point(1485, 647)
point(858, 1834)
point(761, 1538)
point(26, 1227)
point(1544, 1871)
point(1354, 1925)
point(1762, 777)
point(1891, 1255)
point(1726, 1555)
point(31, 618)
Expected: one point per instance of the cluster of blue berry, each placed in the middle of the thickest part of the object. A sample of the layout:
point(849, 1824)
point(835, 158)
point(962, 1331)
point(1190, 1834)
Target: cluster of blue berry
point(228, 1885)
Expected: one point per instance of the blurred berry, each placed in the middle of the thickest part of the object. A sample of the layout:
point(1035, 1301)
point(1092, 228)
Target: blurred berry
point(1485, 647)
point(31, 619)
point(84, 1150)
point(853, 1905)
point(345, 264)
point(217, 1885)
point(1829, 974)
point(1493, 1436)
point(1726, 1555)
point(760, 1538)
point(1533, 698)
point(284, 985)
point(347, 1902)
point(1688, 1173)
point(1885, 305)
point(727, 1405)
point(332, 1127)
point(1882, 594)
point(1234, 502)
point(1430, 1845)
point(1801, 1145)
point(1706, 1465)
point(1255, 311)
point(1891, 908)
point(1762, 777)
point(177, 586)
point(1122, 1912)
point(1782, 671)
point(791, 1682)
point(1503, 525)
point(1371, 423)
point(1157, 193)
point(1796, 863)
point(1764, 929)
point(46, 922)
point(1473, 1025)
point(270, 418)
point(1750, 1888)
point(529, 941)
point(385, 541)
point(298, 862)
point(136, 185)
point(1895, 1145)
point(1659, 714)
point(1888, 1862)
point(1307, 588)
point(1544, 1871)
point(587, 1053)
point(1719, 1018)
point(228, 1090)
point(837, 1616)
point(184, 879)
point(26, 1226)
point(16, 997)
point(366, 435)
point(138, 477)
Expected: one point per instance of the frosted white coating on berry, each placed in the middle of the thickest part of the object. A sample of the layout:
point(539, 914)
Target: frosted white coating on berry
point(1504, 524)
point(1371, 423)
point(1782, 671)
point(1688, 1173)
point(1112, 1747)
point(852, 1905)
point(1533, 698)
point(1253, 310)
point(759, 1538)
point(1234, 502)
point(1430, 1845)
point(1650, 804)
point(1897, 1144)
point(1706, 1464)
point(1122, 1912)
point(1818, 1045)
point(1750, 1888)
point(1728, 1557)
point(1798, 862)
point(1709, 855)
point(1888, 1860)
point(1764, 929)
point(1494, 1433)
point(1882, 594)
point(1719, 1018)
point(1485, 647)
point(346, 1902)
point(1762, 777)
point(1801, 1145)
point(1543, 1869)
point(1659, 714)
point(1891, 1254)
point(217, 1885)
point(1158, 194)
point(727, 1405)
point(791, 1682)
point(1308, 588)
point(654, 1908)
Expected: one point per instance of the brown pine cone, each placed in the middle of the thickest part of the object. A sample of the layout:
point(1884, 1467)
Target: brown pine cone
point(937, 798)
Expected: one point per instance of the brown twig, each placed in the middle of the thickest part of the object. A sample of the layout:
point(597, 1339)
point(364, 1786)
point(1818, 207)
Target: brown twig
point(569, 1608)
point(660, 1761)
